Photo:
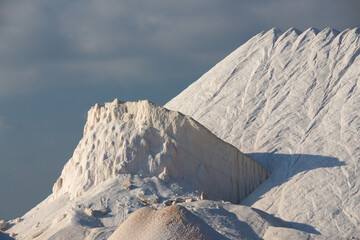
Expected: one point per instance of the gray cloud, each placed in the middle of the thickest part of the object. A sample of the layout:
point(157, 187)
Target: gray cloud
point(97, 41)
point(116, 40)
point(309, 13)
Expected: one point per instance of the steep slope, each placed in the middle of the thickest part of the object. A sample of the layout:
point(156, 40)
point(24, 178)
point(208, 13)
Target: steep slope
point(292, 100)
point(134, 154)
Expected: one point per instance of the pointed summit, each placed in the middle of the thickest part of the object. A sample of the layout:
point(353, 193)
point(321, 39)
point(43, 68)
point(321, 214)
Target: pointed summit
point(292, 29)
point(356, 30)
point(330, 30)
point(313, 30)
point(273, 33)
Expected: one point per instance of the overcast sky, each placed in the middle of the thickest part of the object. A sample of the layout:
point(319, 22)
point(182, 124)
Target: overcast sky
point(58, 58)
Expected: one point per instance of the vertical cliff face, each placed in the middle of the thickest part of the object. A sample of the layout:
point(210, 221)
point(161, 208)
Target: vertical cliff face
point(148, 140)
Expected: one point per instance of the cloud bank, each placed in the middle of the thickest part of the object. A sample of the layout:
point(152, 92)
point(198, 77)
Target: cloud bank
point(43, 43)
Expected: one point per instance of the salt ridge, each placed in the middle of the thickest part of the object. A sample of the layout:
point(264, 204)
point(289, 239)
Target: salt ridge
point(291, 100)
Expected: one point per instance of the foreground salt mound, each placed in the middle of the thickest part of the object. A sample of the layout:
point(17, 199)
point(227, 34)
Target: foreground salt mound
point(173, 222)
point(97, 213)
point(61, 218)
point(148, 140)
point(198, 220)
point(293, 100)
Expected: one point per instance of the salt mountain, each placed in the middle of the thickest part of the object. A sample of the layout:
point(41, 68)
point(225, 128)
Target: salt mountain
point(289, 99)
point(292, 101)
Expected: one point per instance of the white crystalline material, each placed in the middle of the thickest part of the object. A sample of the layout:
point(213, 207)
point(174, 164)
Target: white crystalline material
point(62, 218)
point(148, 140)
point(292, 99)
point(148, 199)
point(173, 222)
point(278, 233)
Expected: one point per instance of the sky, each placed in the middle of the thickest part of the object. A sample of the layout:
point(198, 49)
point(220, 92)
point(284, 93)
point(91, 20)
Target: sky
point(59, 58)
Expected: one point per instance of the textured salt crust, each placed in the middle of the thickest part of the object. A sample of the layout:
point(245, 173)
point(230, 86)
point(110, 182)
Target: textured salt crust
point(293, 100)
point(65, 219)
point(95, 214)
point(149, 140)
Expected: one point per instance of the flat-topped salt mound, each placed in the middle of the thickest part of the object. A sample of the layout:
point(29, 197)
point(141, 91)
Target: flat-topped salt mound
point(148, 140)
point(174, 222)
point(133, 154)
